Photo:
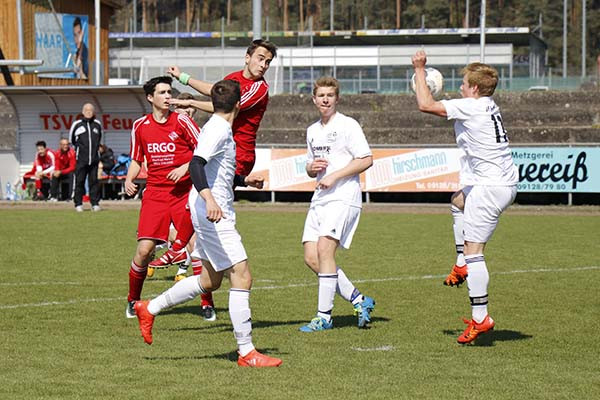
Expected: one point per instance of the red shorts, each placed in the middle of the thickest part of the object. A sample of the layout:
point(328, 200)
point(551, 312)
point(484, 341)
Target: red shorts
point(159, 209)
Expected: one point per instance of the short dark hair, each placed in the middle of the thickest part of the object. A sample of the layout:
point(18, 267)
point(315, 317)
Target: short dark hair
point(40, 143)
point(185, 96)
point(150, 85)
point(262, 43)
point(224, 95)
point(76, 22)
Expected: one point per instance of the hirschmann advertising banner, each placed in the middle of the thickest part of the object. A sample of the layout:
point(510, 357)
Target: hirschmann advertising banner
point(61, 40)
point(541, 169)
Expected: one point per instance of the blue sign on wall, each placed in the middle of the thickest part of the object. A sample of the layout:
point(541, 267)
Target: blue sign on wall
point(558, 169)
point(61, 40)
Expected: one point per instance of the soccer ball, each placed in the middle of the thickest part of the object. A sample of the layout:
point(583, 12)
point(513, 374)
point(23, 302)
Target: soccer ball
point(434, 80)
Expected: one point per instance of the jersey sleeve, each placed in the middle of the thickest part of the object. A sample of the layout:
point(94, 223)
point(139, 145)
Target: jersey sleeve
point(461, 109)
point(72, 163)
point(189, 129)
point(255, 93)
point(51, 162)
point(136, 147)
point(357, 142)
point(210, 144)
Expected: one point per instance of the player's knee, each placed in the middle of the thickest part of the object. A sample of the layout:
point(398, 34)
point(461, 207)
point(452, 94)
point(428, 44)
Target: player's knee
point(311, 262)
point(145, 253)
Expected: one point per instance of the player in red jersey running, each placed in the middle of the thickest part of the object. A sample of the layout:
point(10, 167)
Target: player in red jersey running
point(253, 103)
point(166, 141)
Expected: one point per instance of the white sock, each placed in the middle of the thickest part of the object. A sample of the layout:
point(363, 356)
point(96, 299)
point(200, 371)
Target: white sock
point(239, 312)
point(477, 281)
point(459, 239)
point(346, 289)
point(327, 285)
point(184, 290)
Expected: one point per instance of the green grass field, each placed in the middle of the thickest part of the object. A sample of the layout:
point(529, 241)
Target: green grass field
point(64, 335)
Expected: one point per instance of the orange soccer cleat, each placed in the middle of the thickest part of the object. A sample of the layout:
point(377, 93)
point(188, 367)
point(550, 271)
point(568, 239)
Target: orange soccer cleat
point(145, 319)
point(475, 329)
point(457, 276)
point(258, 360)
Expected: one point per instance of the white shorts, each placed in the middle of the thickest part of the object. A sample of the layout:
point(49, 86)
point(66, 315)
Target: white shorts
point(219, 243)
point(483, 206)
point(334, 219)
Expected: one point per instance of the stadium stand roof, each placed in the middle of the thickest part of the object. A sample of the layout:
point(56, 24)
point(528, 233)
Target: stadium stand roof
point(518, 36)
point(46, 113)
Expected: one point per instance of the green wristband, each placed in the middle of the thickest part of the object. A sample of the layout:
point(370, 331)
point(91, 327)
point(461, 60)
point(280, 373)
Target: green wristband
point(184, 78)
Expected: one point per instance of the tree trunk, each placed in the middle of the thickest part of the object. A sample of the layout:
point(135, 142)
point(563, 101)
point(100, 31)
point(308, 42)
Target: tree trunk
point(228, 12)
point(285, 16)
point(301, 15)
point(144, 16)
point(398, 13)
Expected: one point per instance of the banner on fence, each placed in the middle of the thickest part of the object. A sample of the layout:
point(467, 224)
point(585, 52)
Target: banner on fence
point(541, 169)
point(558, 169)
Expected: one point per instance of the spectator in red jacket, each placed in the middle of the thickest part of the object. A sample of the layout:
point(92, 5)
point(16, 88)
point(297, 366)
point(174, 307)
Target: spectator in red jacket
point(43, 166)
point(64, 166)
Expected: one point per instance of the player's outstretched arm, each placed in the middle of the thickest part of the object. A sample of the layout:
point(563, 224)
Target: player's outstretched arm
point(205, 106)
point(354, 167)
point(132, 172)
point(201, 86)
point(425, 100)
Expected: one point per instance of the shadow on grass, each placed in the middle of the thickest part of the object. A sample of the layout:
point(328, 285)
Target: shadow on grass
point(489, 338)
point(229, 356)
point(343, 321)
point(224, 324)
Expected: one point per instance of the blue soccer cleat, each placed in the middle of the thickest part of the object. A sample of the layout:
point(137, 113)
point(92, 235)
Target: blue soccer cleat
point(317, 324)
point(363, 310)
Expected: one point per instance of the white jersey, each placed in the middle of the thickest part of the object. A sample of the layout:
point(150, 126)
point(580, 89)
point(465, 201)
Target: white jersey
point(481, 135)
point(217, 147)
point(340, 141)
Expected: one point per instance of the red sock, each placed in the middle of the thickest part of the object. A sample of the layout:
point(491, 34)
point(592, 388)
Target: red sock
point(196, 267)
point(185, 231)
point(38, 184)
point(207, 299)
point(137, 275)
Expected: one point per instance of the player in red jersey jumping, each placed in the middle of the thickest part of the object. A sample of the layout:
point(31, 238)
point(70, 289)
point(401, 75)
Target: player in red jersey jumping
point(254, 92)
point(166, 141)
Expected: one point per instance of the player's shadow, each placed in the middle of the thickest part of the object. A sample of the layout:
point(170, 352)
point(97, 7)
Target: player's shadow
point(342, 321)
point(229, 356)
point(489, 338)
point(224, 324)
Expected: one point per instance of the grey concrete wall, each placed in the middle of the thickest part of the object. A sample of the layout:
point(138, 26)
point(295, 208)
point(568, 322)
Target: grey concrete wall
point(529, 118)
point(8, 125)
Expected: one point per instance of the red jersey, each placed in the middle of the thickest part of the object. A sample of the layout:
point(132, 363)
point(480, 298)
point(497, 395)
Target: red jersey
point(165, 147)
point(44, 164)
point(253, 103)
point(64, 161)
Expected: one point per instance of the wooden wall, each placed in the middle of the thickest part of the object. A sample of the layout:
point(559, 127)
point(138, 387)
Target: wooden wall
point(9, 38)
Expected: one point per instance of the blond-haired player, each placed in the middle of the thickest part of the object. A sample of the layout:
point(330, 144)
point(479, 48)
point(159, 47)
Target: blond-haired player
point(491, 185)
point(337, 153)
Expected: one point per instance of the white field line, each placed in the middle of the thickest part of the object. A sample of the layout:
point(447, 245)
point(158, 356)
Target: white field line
point(277, 287)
